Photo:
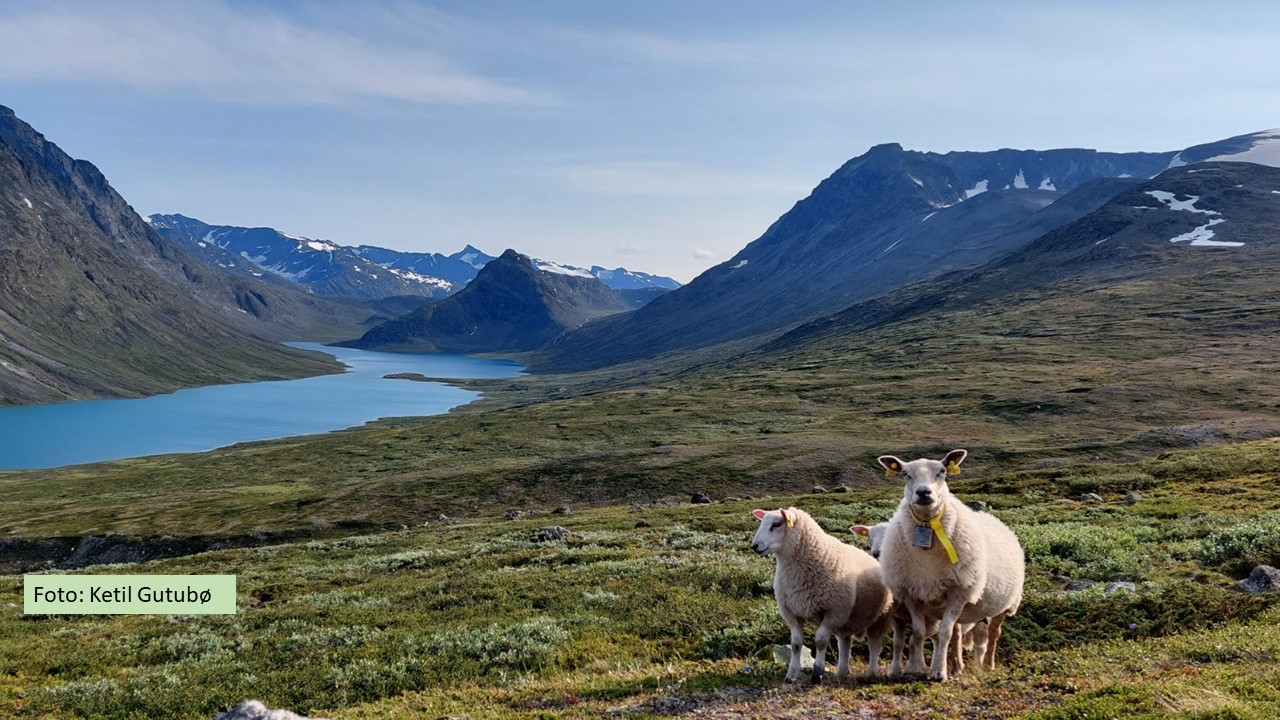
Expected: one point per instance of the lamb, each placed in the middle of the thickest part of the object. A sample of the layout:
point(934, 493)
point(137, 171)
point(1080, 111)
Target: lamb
point(970, 636)
point(947, 563)
point(823, 581)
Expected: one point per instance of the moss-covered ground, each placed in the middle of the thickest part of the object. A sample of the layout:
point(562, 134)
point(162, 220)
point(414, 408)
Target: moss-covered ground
point(1165, 385)
point(479, 619)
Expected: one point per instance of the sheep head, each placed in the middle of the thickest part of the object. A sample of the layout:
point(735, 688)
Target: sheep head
point(772, 532)
point(925, 480)
point(874, 533)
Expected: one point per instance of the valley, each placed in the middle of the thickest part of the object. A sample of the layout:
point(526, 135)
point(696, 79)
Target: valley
point(1079, 334)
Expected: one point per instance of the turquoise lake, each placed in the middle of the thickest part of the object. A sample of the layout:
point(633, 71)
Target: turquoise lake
point(197, 419)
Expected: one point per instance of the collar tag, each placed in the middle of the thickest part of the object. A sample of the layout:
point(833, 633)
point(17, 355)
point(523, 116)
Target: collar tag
point(922, 537)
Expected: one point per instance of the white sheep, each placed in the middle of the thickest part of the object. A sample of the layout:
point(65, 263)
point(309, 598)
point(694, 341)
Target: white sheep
point(969, 636)
point(947, 563)
point(823, 581)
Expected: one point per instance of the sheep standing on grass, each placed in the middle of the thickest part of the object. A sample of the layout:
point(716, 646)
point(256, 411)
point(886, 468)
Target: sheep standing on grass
point(968, 636)
point(947, 563)
point(823, 581)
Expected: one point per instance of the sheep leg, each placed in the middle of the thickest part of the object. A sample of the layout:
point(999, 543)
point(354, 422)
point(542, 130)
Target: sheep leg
point(899, 642)
point(919, 628)
point(797, 646)
point(821, 639)
point(842, 655)
point(993, 636)
point(875, 638)
point(980, 639)
point(957, 637)
point(942, 640)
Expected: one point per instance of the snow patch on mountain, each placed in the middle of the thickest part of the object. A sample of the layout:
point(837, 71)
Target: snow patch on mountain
point(741, 263)
point(1177, 161)
point(1203, 236)
point(550, 267)
point(1020, 180)
point(28, 202)
point(1047, 184)
point(1265, 150)
point(977, 189)
point(1173, 203)
point(424, 279)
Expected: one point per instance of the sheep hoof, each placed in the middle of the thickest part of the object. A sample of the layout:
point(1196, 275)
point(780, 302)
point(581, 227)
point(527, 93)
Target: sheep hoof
point(817, 678)
point(790, 679)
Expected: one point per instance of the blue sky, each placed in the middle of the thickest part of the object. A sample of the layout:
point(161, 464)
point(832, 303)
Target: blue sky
point(662, 136)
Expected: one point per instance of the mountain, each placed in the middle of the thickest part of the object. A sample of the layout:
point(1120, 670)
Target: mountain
point(363, 271)
point(1185, 226)
point(621, 278)
point(94, 303)
point(457, 269)
point(1262, 148)
point(322, 266)
point(884, 219)
point(514, 304)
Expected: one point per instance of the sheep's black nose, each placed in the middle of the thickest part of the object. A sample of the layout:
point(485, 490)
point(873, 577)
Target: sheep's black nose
point(924, 492)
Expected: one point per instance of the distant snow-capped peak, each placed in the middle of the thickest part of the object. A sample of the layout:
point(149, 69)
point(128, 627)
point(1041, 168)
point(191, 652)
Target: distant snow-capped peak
point(558, 269)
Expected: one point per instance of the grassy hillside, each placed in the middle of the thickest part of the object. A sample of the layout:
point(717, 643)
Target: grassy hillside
point(479, 619)
point(1156, 376)
point(1117, 370)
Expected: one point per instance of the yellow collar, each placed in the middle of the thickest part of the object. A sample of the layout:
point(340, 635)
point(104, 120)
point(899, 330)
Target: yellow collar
point(941, 509)
point(935, 522)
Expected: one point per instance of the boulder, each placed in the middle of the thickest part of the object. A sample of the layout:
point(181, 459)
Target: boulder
point(1263, 579)
point(255, 710)
point(548, 533)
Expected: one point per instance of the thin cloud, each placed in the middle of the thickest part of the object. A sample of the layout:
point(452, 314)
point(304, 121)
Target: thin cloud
point(234, 54)
point(701, 254)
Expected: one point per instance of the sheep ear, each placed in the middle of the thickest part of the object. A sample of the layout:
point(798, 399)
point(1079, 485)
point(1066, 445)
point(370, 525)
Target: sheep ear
point(892, 465)
point(862, 530)
point(790, 519)
point(953, 460)
point(758, 513)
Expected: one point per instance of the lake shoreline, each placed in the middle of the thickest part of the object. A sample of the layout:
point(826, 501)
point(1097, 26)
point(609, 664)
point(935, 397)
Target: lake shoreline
point(194, 420)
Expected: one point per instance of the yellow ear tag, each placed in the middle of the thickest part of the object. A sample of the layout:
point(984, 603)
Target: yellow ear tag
point(953, 469)
point(891, 470)
point(791, 521)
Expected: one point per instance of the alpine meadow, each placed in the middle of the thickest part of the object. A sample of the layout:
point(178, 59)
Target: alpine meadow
point(1098, 328)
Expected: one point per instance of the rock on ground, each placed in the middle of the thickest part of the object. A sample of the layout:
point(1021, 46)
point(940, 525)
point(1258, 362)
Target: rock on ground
point(549, 533)
point(254, 710)
point(1263, 579)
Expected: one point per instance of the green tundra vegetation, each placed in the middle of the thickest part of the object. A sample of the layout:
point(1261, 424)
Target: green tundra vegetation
point(365, 603)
